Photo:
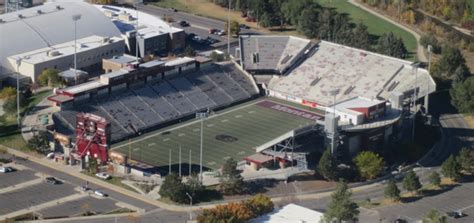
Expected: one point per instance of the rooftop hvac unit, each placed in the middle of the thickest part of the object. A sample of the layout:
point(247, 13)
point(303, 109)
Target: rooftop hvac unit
point(53, 53)
point(39, 12)
point(106, 40)
point(1, 21)
point(20, 16)
point(58, 7)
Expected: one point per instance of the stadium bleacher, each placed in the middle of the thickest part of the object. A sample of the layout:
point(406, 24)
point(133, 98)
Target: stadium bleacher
point(144, 108)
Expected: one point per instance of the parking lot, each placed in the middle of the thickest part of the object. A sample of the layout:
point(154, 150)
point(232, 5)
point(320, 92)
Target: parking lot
point(25, 191)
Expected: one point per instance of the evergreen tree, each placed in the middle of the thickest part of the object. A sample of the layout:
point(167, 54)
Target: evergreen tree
point(327, 166)
point(451, 169)
point(231, 182)
point(451, 59)
point(435, 179)
point(174, 189)
point(361, 37)
point(460, 74)
point(435, 217)
point(341, 208)
point(308, 22)
point(411, 182)
point(392, 191)
point(189, 51)
point(462, 96)
point(465, 159)
point(195, 187)
point(390, 45)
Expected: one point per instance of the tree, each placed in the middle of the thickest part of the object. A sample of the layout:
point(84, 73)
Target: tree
point(327, 166)
point(260, 204)
point(174, 189)
point(434, 217)
point(10, 106)
point(430, 39)
point(390, 45)
point(460, 74)
point(195, 187)
point(189, 51)
point(231, 182)
point(40, 142)
point(411, 182)
point(361, 37)
point(92, 166)
point(369, 164)
point(7, 92)
point(234, 28)
point(392, 191)
point(451, 169)
point(435, 179)
point(341, 208)
point(50, 77)
point(451, 59)
point(462, 96)
point(465, 160)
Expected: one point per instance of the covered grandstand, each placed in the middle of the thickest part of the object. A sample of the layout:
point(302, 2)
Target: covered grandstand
point(149, 106)
point(48, 25)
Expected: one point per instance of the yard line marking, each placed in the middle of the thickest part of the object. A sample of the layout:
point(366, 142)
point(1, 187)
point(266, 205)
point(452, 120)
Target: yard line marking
point(211, 163)
point(135, 149)
point(196, 130)
point(225, 120)
point(251, 112)
point(227, 157)
point(181, 134)
point(210, 125)
point(241, 152)
point(167, 139)
point(151, 144)
point(238, 116)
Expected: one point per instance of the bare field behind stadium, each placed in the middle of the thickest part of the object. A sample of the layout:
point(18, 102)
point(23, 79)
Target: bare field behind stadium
point(247, 127)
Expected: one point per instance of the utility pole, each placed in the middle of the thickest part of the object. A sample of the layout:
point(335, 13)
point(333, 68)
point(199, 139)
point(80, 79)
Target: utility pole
point(190, 164)
point(228, 30)
point(333, 146)
point(18, 119)
point(415, 95)
point(190, 206)
point(179, 159)
point(169, 169)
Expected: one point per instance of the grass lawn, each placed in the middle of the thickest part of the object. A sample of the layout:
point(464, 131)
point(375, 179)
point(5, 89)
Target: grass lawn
point(9, 133)
point(243, 130)
point(376, 25)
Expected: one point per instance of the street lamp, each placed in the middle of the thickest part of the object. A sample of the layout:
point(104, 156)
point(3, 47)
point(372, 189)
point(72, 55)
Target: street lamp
point(18, 63)
point(190, 206)
point(334, 93)
point(75, 18)
point(201, 116)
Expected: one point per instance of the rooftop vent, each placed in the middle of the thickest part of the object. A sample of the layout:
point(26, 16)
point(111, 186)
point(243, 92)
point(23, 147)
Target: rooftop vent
point(53, 53)
point(58, 7)
point(105, 40)
point(255, 58)
point(39, 11)
point(1, 21)
point(20, 16)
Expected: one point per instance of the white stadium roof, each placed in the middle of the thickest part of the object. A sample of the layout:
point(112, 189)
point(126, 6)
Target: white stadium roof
point(50, 24)
point(354, 72)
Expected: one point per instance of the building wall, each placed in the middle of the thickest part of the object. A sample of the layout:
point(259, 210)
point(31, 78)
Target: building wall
point(85, 59)
point(109, 66)
point(178, 40)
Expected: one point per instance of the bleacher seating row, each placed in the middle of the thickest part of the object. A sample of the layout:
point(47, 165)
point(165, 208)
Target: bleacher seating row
point(151, 105)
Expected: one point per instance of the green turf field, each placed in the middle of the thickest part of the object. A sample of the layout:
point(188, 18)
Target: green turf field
point(375, 25)
point(252, 125)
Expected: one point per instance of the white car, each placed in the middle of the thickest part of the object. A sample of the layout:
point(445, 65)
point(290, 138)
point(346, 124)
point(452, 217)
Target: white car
point(103, 176)
point(100, 193)
point(6, 169)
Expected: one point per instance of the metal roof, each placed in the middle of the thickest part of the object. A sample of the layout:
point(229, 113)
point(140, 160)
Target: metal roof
point(50, 24)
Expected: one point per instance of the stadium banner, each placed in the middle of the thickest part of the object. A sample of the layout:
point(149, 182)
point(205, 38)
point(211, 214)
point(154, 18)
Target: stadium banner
point(290, 110)
point(309, 103)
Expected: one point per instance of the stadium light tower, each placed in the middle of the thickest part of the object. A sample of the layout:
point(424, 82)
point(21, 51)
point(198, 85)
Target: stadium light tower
point(18, 63)
point(136, 30)
point(415, 96)
point(228, 30)
point(201, 116)
point(333, 138)
point(75, 18)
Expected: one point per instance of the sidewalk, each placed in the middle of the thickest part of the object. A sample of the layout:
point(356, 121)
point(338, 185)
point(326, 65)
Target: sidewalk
point(420, 50)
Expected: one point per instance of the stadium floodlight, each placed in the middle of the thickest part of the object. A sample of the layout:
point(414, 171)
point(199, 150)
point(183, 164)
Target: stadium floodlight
point(18, 63)
point(75, 18)
point(333, 93)
point(415, 66)
point(201, 116)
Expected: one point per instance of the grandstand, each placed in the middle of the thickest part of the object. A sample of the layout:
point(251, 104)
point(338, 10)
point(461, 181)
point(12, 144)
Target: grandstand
point(156, 104)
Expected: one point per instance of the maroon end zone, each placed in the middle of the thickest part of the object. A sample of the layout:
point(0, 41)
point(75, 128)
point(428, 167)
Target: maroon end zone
point(290, 110)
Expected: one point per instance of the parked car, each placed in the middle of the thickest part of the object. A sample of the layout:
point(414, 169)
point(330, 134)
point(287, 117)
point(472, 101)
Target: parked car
point(399, 220)
point(84, 188)
point(210, 40)
point(100, 193)
point(50, 156)
point(455, 214)
point(243, 26)
point(52, 180)
point(220, 33)
point(173, 10)
point(103, 176)
point(183, 23)
point(198, 39)
point(213, 31)
point(6, 169)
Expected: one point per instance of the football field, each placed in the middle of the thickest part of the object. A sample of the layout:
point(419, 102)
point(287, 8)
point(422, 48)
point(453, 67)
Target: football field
point(233, 133)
